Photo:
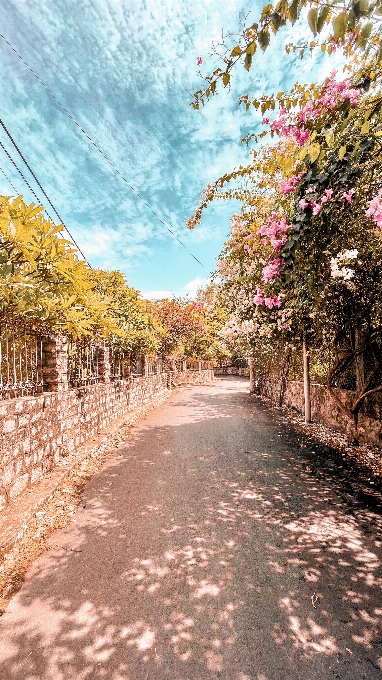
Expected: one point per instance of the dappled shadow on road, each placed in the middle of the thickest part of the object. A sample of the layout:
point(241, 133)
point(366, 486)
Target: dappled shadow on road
point(207, 549)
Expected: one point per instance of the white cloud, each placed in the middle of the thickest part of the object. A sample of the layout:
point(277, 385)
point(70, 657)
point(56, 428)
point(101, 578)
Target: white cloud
point(196, 283)
point(190, 290)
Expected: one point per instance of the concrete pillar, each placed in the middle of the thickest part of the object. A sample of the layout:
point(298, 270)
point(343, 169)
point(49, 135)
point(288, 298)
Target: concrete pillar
point(145, 366)
point(103, 357)
point(55, 364)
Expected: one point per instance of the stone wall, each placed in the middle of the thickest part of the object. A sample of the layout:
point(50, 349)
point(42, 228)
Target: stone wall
point(36, 432)
point(324, 408)
point(231, 370)
point(202, 377)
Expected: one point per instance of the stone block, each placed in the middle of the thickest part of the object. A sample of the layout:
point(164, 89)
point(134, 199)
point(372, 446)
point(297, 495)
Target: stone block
point(9, 425)
point(19, 406)
point(24, 442)
point(35, 443)
point(6, 455)
point(36, 474)
point(19, 485)
point(18, 466)
point(3, 499)
point(8, 474)
point(36, 416)
point(4, 409)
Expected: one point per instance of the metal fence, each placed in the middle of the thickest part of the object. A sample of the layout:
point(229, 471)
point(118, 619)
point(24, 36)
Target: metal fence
point(83, 364)
point(21, 359)
point(120, 365)
point(26, 353)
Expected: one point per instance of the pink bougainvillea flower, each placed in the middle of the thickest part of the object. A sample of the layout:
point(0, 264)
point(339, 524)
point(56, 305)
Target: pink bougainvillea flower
point(348, 196)
point(316, 208)
point(375, 209)
point(259, 297)
point(199, 61)
point(266, 120)
point(303, 204)
point(290, 185)
point(271, 302)
point(272, 270)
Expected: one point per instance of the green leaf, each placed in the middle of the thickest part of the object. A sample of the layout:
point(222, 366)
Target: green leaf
point(361, 8)
point(266, 10)
point(365, 127)
point(340, 23)
point(277, 22)
point(294, 11)
point(312, 19)
point(342, 152)
point(251, 49)
point(322, 17)
point(264, 39)
point(226, 79)
point(367, 30)
point(248, 61)
point(314, 151)
point(236, 51)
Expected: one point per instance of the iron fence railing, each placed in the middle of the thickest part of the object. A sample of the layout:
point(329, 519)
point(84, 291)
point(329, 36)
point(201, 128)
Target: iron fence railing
point(119, 362)
point(198, 365)
point(83, 364)
point(21, 359)
point(28, 365)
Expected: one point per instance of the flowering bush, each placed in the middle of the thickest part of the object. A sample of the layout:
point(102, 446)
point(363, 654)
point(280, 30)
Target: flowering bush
point(375, 209)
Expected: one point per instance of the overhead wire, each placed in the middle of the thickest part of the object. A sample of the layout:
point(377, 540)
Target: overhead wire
point(101, 152)
point(17, 193)
point(39, 184)
point(20, 173)
point(9, 181)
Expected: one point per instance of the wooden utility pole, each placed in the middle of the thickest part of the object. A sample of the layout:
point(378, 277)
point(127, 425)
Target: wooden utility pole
point(251, 374)
point(305, 358)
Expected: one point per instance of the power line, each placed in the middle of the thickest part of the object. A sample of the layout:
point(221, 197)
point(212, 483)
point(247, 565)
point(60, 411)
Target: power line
point(100, 151)
point(9, 181)
point(20, 173)
point(23, 178)
point(39, 184)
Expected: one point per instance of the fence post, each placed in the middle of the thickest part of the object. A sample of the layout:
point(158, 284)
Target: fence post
point(104, 363)
point(200, 366)
point(305, 357)
point(55, 364)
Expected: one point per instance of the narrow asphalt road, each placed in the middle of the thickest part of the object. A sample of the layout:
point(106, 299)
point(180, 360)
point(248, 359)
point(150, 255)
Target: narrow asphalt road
point(207, 549)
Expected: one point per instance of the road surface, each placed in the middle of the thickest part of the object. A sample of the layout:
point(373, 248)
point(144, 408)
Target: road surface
point(207, 548)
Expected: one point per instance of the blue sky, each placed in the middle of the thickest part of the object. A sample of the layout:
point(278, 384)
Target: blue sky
point(124, 68)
